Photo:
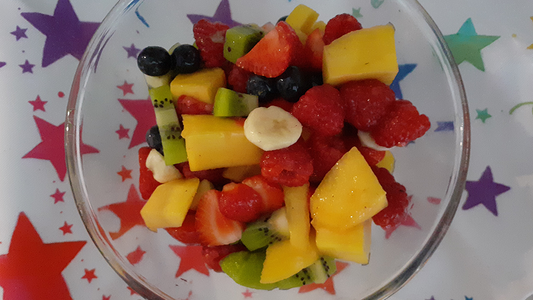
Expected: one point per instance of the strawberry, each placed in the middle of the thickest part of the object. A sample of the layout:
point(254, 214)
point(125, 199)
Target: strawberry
point(213, 255)
point(271, 194)
point(210, 38)
point(273, 53)
point(314, 50)
point(147, 183)
point(190, 106)
point(212, 226)
point(186, 233)
point(240, 202)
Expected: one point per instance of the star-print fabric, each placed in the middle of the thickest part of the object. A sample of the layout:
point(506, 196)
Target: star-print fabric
point(46, 253)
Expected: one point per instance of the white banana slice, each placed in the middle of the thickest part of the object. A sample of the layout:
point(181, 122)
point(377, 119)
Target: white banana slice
point(368, 141)
point(162, 173)
point(272, 128)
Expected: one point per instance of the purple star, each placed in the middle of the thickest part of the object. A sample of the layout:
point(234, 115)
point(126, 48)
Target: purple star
point(132, 51)
point(444, 126)
point(484, 191)
point(27, 67)
point(19, 33)
point(431, 298)
point(223, 15)
point(2, 64)
point(65, 34)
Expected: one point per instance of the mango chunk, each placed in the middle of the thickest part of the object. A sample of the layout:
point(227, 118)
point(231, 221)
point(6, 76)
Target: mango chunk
point(321, 25)
point(387, 162)
point(239, 173)
point(297, 208)
point(201, 85)
point(352, 244)
point(169, 203)
point(348, 195)
point(214, 142)
point(302, 18)
point(361, 54)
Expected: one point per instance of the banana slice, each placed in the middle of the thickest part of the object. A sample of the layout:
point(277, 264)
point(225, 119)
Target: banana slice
point(272, 128)
point(162, 173)
point(369, 142)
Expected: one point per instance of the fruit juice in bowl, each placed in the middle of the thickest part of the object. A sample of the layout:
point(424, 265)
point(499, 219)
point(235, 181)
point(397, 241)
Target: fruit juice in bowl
point(122, 213)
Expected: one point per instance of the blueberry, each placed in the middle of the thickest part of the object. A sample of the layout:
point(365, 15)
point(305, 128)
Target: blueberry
point(317, 79)
point(186, 59)
point(284, 19)
point(262, 87)
point(154, 61)
point(153, 138)
point(293, 83)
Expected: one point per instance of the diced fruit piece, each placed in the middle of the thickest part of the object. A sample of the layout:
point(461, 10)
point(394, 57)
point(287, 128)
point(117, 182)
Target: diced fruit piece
point(321, 109)
point(214, 142)
point(349, 194)
point(245, 269)
point(186, 59)
point(262, 233)
point(162, 173)
point(291, 166)
point(168, 124)
point(262, 87)
point(366, 102)
point(387, 162)
point(273, 53)
point(154, 61)
point(240, 40)
point(401, 125)
point(204, 186)
point(281, 103)
point(201, 85)
point(272, 128)
point(326, 152)
point(157, 81)
point(153, 138)
point(214, 254)
point(238, 174)
point(368, 141)
point(396, 211)
point(362, 54)
point(229, 103)
point(213, 175)
point(302, 18)
point(351, 244)
point(240, 202)
point(284, 260)
point(187, 105)
point(271, 194)
point(169, 203)
point(238, 79)
point(320, 25)
point(314, 50)
point(297, 207)
point(293, 83)
point(209, 38)
point(186, 233)
point(318, 273)
point(339, 26)
point(147, 183)
point(213, 227)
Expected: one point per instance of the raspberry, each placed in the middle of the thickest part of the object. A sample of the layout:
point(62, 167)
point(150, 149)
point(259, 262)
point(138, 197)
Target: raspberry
point(238, 78)
point(366, 102)
point(321, 109)
point(240, 202)
point(291, 166)
point(190, 106)
point(339, 26)
point(213, 175)
point(186, 233)
point(401, 125)
point(210, 41)
point(213, 255)
point(396, 210)
point(325, 151)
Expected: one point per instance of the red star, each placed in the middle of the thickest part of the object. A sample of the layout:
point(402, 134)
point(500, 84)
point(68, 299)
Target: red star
point(58, 196)
point(52, 146)
point(106, 297)
point(31, 270)
point(136, 256)
point(129, 212)
point(132, 292)
point(124, 173)
point(409, 222)
point(126, 88)
point(123, 133)
point(89, 275)
point(327, 286)
point(143, 112)
point(66, 228)
point(434, 200)
point(247, 294)
point(191, 258)
point(38, 104)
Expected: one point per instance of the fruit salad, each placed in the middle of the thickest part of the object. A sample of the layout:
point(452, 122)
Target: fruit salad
point(271, 147)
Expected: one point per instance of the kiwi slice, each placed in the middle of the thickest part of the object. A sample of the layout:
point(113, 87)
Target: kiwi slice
point(240, 40)
point(229, 103)
point(266, 231)
point(318, 272)
point(245, 269)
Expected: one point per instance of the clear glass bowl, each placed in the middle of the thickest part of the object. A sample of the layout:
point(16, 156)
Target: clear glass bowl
point(433, 169)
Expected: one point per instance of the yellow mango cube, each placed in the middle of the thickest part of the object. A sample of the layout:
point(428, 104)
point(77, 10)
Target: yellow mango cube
point(302, 18)
point(387, 162)
point(212, 142)
point(239, 173)
point(297, 208)
point(201, 85)
point(352, 244)
point(348, 195)
point(361, 54)
point(321, 25)
point(169, 203)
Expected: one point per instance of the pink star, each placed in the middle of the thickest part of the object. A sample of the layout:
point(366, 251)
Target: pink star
point(434, 200)
point(66, 228)
point(143, 112)
point(123, 133)
point(127, 88)
point(409, 222)
point(27, 67)
point(247, 294)
point(136, 256)
point(89, 275)
point(38, 104)
point(58, 196)
point(191, 258)
point(124, 173)
point(52, 146)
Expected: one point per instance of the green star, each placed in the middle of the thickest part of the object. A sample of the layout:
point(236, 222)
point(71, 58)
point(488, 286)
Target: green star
point(357, 13)
point(483, 115)
point(466, 44)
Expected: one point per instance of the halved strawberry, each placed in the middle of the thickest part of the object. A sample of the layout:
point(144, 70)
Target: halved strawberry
point(272, 194)
point(147, 183)
point(186, 233)
point(314, 50)
point(273, 53)
point(187, 105)
point(212, 226)
point(210, 39)
point(240, 202)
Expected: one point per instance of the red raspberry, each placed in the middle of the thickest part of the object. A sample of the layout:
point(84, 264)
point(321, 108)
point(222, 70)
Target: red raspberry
point(210, 39)
point(240, 202)
point(325, 151)
point(366, 102)
point(238, 78)
point(396, 210)
point(214, 254)
point(213, 175)
point(321, 109)
point(291, 166)
point(339, 26)
point(186, 233)
point(401, 125)
point(190, 106)
point(147, 183)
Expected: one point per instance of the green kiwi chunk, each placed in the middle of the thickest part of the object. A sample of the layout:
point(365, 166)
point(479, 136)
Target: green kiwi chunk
point(240, 40)
point(266, 231)
point(229, 103)
point(318, 272)
point(245, 269)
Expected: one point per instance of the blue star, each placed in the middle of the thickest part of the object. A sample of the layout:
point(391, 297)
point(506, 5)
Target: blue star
point(223, 15)
point(484, 191)
point(445, 126)
point(469, 298)
point(403, 71)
